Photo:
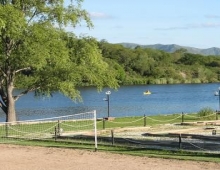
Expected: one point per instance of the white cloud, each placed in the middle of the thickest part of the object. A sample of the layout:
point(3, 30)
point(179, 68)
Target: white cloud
point(213, 16)
point(210, 25)
point(171, 28)
point(99, 15)
point(191, 26)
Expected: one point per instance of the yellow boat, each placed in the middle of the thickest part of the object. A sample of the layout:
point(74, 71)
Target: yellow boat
point(147, 92)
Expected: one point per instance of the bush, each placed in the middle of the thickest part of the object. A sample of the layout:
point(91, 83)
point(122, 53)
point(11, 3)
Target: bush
point(207, 113)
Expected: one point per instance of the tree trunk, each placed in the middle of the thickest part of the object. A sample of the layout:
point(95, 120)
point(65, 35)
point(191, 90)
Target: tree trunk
point(10, 115)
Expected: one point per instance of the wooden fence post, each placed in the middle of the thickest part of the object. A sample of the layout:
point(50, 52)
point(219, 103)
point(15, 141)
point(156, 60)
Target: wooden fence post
point(113, 139)
point(182, 117)
point(58, 128)
point(6, 129)
point(103, 123)
point(55, 133)
point(180, 142)
point(145, 120)
point(216, 115)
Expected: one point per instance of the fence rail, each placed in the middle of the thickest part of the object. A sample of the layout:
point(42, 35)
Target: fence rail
point(182, 118)
point(187, 142)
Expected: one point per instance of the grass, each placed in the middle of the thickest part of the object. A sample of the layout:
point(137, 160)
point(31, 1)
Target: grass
point(151, 120)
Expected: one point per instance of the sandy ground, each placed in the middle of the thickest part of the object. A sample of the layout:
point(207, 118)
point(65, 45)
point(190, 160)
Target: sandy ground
point(14, 157)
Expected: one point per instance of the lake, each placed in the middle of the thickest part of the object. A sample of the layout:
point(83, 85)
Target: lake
point(126, 101)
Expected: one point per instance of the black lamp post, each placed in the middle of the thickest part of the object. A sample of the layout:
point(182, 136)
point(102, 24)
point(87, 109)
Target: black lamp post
point(218, 103)
point(108, 94)
point(217, 93)
point(219, 99)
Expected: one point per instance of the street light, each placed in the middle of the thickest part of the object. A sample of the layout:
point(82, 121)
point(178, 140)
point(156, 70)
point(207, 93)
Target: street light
point(217, 93)
point(108, 94)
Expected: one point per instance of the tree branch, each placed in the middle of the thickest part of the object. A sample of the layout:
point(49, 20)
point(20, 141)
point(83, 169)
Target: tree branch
point(4, 108)
point(25, 92)
point(3, 100)
point(27, 68)
point(2, 93)
point(34, 14)
point(4, 74)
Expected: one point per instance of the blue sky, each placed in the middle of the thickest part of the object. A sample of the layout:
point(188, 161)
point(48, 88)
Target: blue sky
point(194, 23)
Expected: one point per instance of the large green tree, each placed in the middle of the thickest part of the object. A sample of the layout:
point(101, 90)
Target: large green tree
point(37, 54)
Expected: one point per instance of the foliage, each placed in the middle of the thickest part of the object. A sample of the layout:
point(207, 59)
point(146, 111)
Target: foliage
point(37, 54)
point(152, 66)
point(207, 113)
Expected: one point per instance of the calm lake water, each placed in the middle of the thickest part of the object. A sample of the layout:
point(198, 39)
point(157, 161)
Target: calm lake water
point(126, 101)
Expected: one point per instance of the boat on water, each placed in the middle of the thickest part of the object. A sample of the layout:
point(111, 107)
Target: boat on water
point(147, 92)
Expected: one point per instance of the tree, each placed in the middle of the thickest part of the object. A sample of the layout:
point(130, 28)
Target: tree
point(37, 54)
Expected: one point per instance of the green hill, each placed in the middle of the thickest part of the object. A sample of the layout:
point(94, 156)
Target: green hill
point(173, 47)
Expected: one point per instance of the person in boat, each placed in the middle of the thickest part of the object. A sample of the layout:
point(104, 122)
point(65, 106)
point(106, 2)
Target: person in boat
point(147, 92)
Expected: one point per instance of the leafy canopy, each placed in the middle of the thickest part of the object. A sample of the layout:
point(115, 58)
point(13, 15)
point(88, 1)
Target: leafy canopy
point(37, 53)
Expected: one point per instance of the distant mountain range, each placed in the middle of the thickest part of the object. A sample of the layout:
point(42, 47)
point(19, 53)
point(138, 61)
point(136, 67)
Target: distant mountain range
point(173, 47)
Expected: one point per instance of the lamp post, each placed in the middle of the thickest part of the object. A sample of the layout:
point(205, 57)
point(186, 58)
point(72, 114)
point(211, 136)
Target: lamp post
point(219, 99)
point(217, 93)
point(108, 94)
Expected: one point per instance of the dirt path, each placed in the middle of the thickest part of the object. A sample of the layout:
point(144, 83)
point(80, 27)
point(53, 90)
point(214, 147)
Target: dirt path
point(14, 157)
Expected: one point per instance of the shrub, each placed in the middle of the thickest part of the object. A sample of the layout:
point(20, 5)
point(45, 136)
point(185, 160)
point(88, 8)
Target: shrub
point(207, 113)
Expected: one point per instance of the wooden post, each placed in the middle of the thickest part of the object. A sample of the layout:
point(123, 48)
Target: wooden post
point(180, 142)
point(145, 120)
point(214, 132)
point(182, 117)
point(58, 128)
point(216, 115)
point(113, 139)
point(103, 123)
point(6, 129)
point(55, 133)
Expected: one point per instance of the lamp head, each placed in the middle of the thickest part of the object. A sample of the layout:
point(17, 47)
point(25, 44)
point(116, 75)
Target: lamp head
point(108, 92)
